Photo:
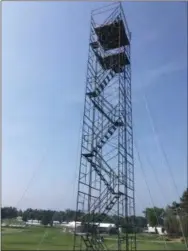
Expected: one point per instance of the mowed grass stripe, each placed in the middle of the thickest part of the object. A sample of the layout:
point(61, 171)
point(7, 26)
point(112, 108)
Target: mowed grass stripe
point(32, 238)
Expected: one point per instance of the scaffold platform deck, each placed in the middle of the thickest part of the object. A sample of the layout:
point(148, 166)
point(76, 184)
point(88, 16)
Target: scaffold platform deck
point(112, 35)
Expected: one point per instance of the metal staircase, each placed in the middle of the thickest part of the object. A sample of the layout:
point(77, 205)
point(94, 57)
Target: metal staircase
point(97, 170)
point(108, 134)
point(102, 84)
point(93, 243)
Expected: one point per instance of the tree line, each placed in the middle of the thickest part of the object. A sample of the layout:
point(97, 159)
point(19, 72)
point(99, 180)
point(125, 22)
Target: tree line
point(174, 218)
point(45, 216)
point(49, 216)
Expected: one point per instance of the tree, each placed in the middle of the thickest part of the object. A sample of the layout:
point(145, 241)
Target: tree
point(153, 216)
point(184, 202)
point(56, 217)
point(25, 216)
point(45, 220)
point(172, 223)
point(183, 215)
point(70, 215)
point(9, 212)
point(20, 213)
point(141, 222)
point(176, 218)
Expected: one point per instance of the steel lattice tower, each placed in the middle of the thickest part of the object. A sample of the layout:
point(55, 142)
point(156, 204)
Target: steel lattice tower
point(106, 174)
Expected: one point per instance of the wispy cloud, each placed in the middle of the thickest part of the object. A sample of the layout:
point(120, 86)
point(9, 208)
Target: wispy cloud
point(168, 68)
point(150, 76)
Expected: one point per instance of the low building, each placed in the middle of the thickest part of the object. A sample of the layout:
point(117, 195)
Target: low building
point(33, 222)
point(155, 230)
point(70, 226)
point(102, 227)
point(56, 223)
point(19, 218)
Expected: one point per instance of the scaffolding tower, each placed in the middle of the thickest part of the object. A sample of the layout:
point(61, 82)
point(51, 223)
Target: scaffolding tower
point(106, 174)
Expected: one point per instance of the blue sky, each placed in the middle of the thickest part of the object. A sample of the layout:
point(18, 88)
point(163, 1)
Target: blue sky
point(45, 48)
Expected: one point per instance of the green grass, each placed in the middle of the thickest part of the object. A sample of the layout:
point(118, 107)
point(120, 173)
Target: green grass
point(33, 238)
point(40, 238)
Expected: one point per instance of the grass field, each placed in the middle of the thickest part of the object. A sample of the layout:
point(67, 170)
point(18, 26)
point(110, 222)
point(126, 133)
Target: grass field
point(39, 238)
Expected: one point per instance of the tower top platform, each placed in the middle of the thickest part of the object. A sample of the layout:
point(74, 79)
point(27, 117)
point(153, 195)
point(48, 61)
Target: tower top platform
point(113, 35)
